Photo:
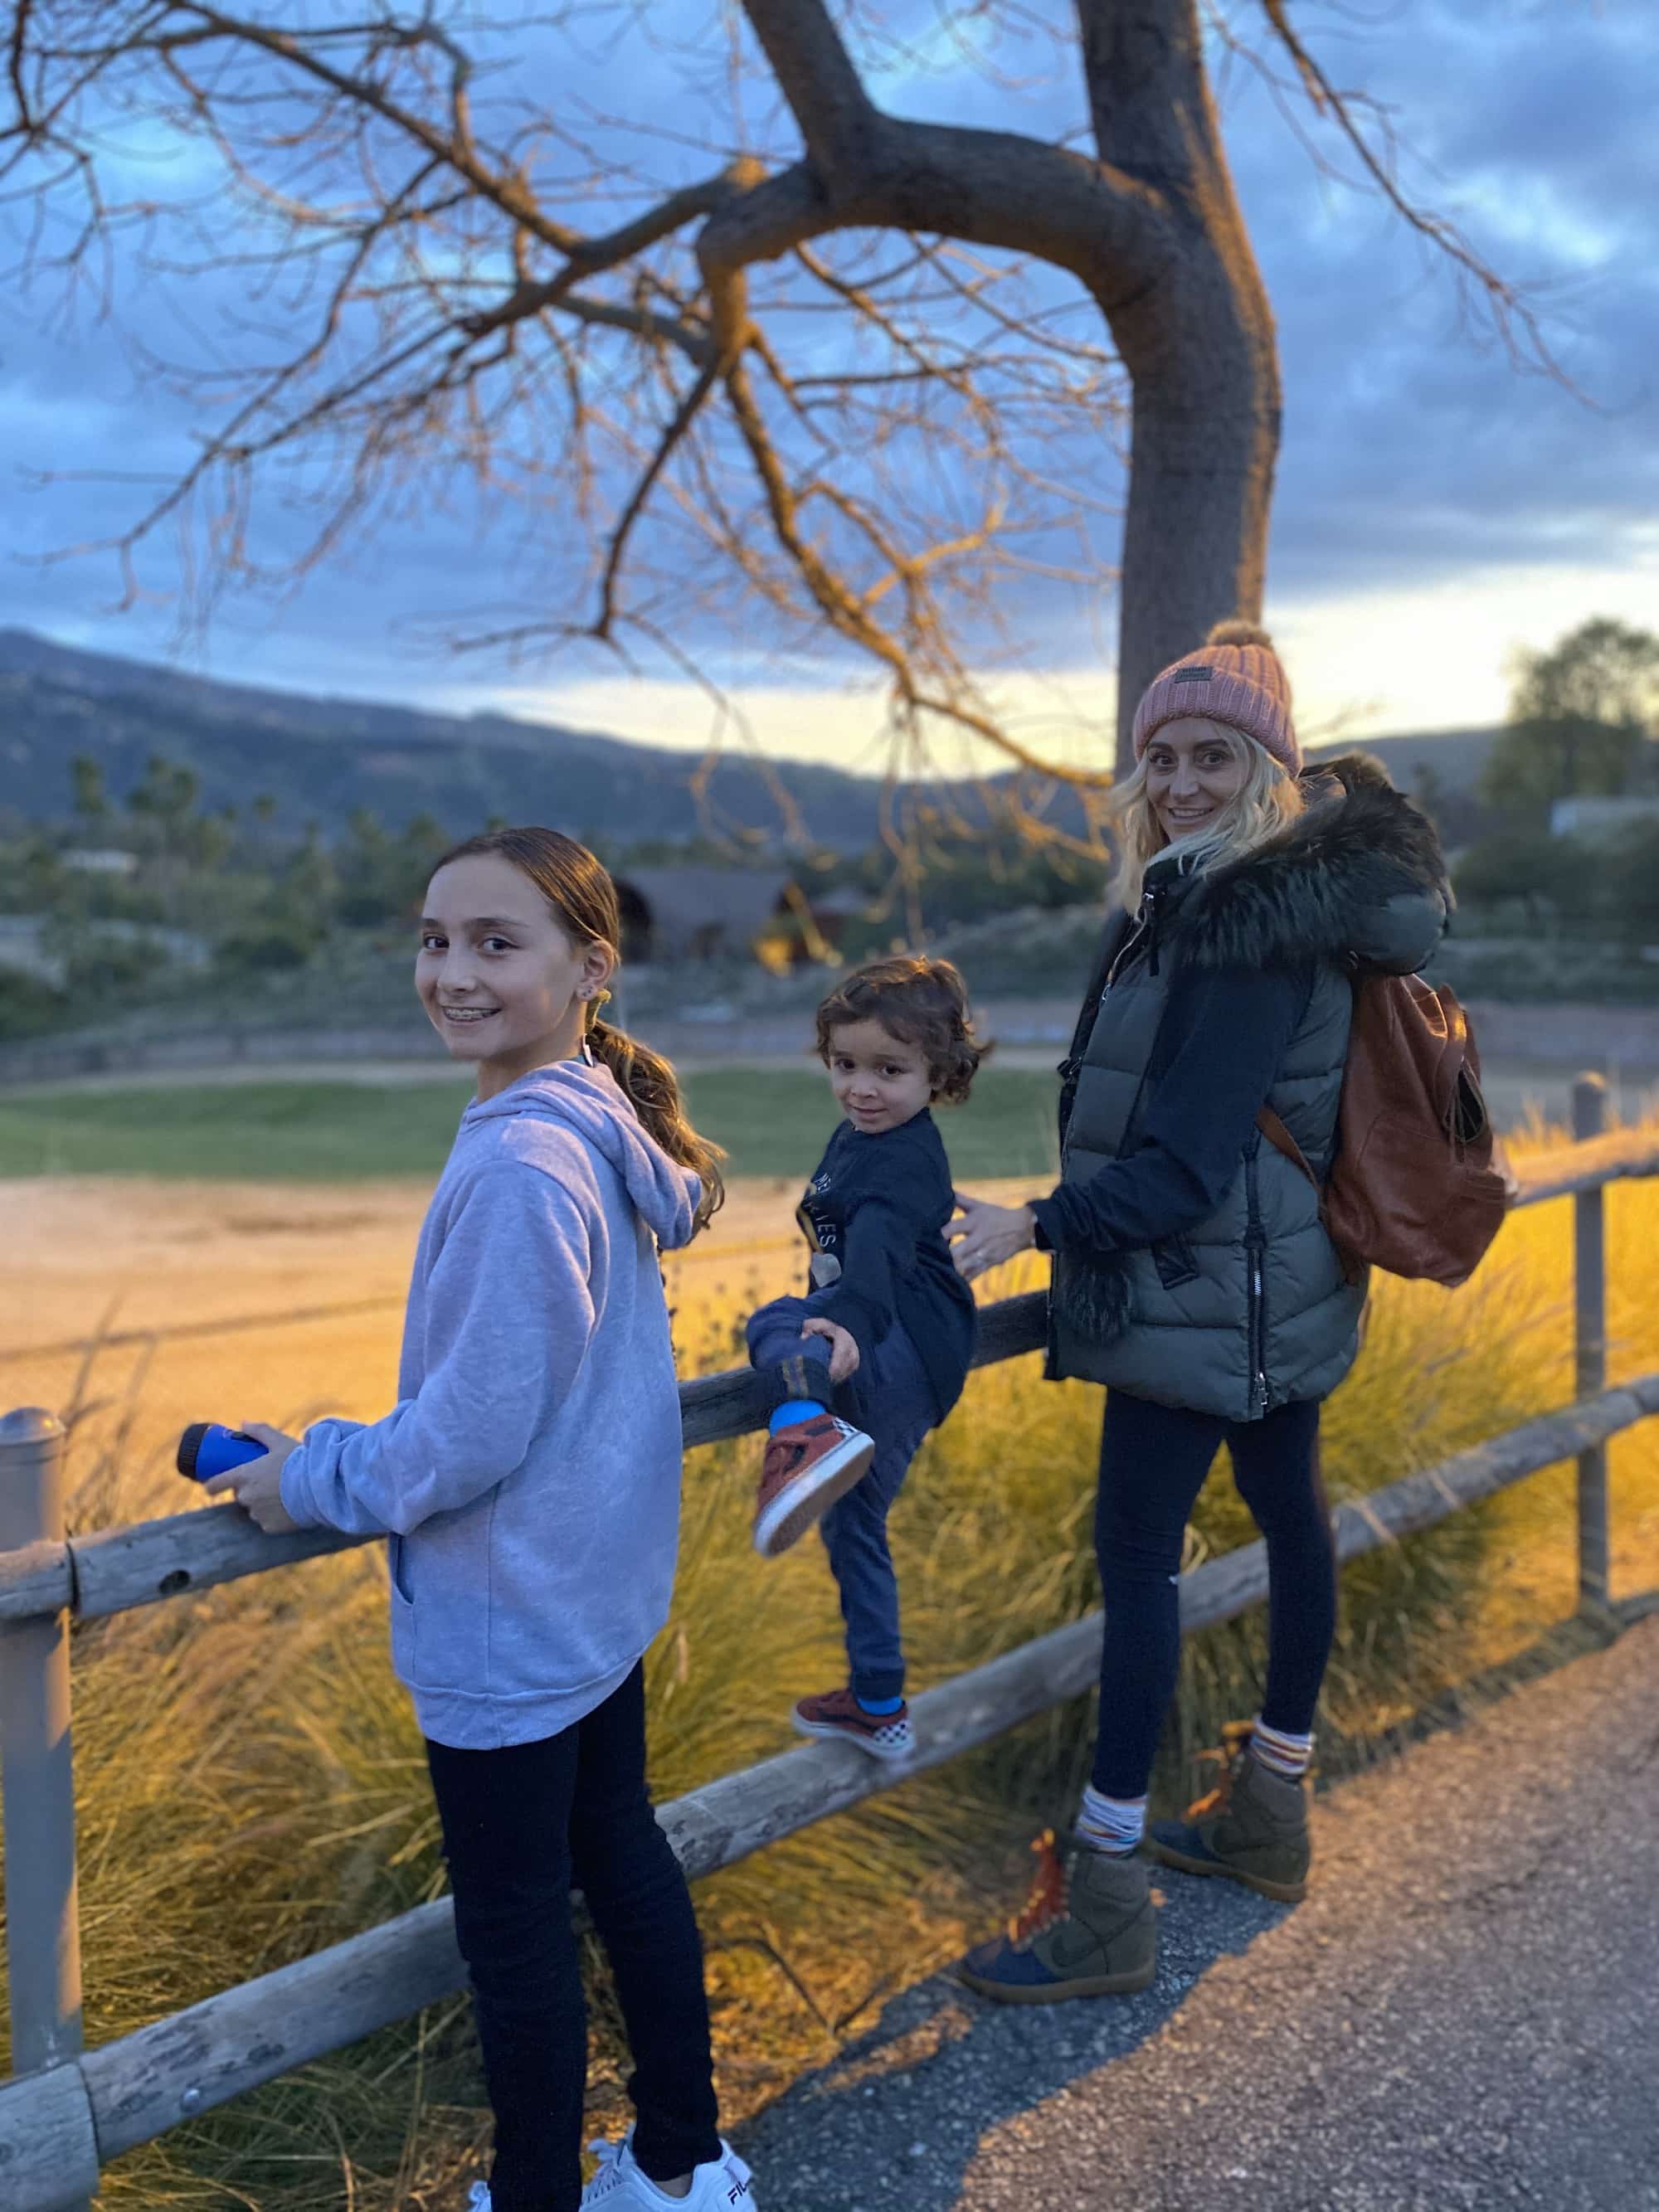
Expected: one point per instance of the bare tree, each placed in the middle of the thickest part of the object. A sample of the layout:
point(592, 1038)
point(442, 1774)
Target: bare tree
point(754, 346)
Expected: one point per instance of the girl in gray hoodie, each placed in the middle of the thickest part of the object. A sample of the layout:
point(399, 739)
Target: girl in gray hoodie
point(527, 1482)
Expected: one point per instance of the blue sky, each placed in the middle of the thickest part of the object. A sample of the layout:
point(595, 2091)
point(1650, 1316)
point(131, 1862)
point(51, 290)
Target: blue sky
point(1436, 507)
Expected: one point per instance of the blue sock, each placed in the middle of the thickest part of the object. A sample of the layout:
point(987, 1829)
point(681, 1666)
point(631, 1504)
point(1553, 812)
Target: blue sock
point(879, 1708)
point(797, 1409)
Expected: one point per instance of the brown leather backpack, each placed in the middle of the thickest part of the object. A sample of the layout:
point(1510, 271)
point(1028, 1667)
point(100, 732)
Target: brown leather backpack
point(1419, 1185)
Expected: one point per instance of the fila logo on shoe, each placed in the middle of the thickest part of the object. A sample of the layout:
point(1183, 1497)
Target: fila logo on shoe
point(736, 2194)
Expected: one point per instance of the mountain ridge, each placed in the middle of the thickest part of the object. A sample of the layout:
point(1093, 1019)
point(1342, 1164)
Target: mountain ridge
point(321, 757)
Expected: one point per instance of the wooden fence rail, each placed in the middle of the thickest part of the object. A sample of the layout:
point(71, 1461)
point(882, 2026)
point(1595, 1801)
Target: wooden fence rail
point(60, 2123)
point(118, 1568)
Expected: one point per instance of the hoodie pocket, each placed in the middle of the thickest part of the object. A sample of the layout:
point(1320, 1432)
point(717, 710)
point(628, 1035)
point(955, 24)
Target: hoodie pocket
point(402, 1609)
point(396, 1562)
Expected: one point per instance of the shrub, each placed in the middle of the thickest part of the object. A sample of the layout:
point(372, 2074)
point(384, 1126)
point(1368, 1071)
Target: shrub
point(28, 1006)
point(270, 948)
point(1531, 869)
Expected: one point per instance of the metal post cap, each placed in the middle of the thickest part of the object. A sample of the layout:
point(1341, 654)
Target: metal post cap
point(29, 1424)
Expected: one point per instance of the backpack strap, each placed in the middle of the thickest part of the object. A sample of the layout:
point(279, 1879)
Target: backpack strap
point(1282, 1141)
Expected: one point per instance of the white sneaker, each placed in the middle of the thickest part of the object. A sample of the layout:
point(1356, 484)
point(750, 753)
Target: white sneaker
point(619, 2185)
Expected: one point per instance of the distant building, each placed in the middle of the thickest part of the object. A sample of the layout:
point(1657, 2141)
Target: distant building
point(1600, 819)
point(100, 860)
point(693, 913)
point(30, 945)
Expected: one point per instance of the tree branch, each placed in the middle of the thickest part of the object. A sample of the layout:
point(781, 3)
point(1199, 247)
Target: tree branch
point(592, 257)
point(1143, 71)
point(817, 75)
point(16, 46)
point(685, 415)
point(507, 192)
point(1505, 301)
point(984, 187)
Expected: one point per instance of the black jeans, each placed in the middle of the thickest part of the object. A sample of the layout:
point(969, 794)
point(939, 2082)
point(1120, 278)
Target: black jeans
point(1153, 1460)
point(521, 1825)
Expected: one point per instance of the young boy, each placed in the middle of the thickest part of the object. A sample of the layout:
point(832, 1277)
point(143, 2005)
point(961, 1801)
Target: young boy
point(887, 1327)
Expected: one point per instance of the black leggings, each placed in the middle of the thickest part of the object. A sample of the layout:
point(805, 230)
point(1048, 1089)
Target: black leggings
point(1153, 1460)
point(518, 1825)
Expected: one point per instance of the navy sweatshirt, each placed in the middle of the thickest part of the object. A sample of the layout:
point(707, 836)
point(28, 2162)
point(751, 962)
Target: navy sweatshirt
point(877, 1206)
point(1224, 1033)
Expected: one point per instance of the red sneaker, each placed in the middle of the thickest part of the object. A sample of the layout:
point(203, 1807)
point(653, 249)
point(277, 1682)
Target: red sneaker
point(838, 1712)
point(808, 1466)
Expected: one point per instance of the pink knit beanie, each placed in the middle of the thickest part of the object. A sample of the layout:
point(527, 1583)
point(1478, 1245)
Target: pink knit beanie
point(1235, 678)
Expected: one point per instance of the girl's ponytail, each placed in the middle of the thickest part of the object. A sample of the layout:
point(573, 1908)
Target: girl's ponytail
point(584, 899)
point(649, 1083)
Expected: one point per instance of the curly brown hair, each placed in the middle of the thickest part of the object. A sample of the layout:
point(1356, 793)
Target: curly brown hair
point(919, 1002)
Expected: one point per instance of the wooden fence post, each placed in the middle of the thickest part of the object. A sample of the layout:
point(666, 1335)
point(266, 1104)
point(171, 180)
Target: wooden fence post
point(37, 1779)
point(1589, 1118)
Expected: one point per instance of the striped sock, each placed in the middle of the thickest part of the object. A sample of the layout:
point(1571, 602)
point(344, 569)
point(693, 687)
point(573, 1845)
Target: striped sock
point(1280, 1751)
point(1112, 1824)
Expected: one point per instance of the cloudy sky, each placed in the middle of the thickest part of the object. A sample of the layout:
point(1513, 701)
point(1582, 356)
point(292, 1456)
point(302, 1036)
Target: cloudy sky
point(1436, 507)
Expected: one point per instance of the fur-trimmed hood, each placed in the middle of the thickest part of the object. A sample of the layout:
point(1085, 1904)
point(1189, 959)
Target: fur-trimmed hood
point(1358, 877)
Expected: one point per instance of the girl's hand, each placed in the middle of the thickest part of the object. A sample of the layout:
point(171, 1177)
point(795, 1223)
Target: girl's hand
point(986, 1236)
point(843, 1348)
point(257, 1487)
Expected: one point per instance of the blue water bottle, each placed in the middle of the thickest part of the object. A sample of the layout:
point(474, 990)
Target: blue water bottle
point(208, 1448)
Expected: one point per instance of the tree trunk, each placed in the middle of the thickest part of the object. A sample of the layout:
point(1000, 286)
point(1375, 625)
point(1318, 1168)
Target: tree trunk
point(1198, 343)
point(1205, 435)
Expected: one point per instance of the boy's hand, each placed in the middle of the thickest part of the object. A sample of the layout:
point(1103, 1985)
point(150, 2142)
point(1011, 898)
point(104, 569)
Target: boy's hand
point(257, 1487)
point(985, 1236)
point(843, 1350)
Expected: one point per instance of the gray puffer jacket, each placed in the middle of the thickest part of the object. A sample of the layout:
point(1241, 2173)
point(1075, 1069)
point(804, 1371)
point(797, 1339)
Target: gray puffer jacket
point(1246, 1308)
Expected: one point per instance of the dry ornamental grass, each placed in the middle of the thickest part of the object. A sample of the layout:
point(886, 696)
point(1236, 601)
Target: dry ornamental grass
point(251, 1781)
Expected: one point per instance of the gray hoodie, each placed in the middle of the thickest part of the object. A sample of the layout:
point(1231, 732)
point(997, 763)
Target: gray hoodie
point(529, 1476)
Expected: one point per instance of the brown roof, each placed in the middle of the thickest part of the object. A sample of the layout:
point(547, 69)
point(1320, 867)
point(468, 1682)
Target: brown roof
point(688, 905)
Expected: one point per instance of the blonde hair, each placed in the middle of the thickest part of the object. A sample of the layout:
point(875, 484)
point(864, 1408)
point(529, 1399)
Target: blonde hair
point(583, 899)
point(1268, 802)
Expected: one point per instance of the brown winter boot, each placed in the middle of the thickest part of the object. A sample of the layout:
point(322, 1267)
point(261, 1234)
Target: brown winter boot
point(1089, 1933)
point(1252, 1827)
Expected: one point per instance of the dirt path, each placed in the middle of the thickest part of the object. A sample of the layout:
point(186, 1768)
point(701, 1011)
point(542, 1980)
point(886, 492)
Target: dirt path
point(1463, 2017)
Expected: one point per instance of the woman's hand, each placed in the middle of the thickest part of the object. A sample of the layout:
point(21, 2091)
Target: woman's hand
point(843, 1348)
point(256, 1486)
point(985, 1235)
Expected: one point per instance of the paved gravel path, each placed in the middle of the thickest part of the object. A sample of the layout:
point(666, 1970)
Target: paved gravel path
point(1464, 2015)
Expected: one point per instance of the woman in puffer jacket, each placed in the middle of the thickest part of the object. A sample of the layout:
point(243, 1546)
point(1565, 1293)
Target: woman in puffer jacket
point(1192, 1275)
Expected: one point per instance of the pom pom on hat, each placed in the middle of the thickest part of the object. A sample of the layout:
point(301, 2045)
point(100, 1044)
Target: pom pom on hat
point(1235, 678)
point(1237, 632)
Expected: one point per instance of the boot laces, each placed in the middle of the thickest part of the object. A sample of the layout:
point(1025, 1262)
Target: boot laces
point(1229, 1755)
point(1049, 1893)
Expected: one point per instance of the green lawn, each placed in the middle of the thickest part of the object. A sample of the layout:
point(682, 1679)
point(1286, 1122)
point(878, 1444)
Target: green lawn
point(772, 1122)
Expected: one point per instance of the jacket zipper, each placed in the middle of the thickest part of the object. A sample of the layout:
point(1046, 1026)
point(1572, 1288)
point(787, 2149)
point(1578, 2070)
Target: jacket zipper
point(1145, 929)
point(1070, 1067)
point(1149, 909)
point(1256, 1241)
